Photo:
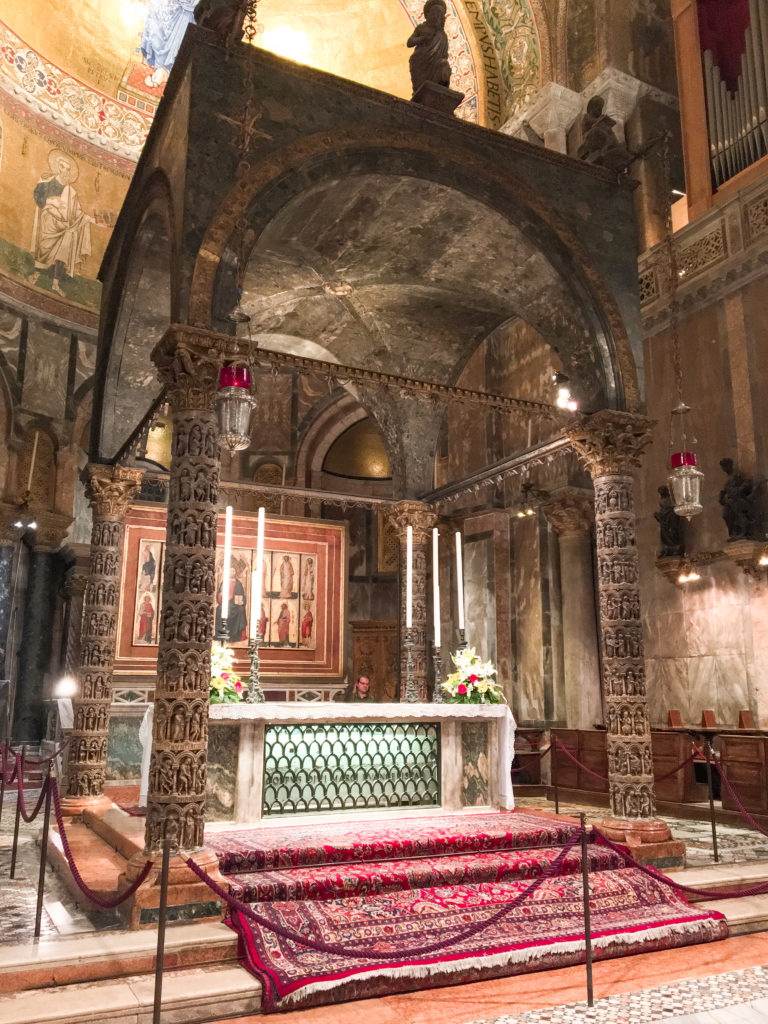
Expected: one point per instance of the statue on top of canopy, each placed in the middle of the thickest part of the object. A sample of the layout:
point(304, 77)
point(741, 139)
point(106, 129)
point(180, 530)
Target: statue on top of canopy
point(429, 60)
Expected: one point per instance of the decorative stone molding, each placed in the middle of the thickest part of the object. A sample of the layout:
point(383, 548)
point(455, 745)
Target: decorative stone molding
point(718, 252)
point(673, 567)
point(52, 528)
point(611, 443)
point(746, 554)
point(110, 490)
point(421, 518)
point(570, 510)
point(550, 113)
point(188, 361)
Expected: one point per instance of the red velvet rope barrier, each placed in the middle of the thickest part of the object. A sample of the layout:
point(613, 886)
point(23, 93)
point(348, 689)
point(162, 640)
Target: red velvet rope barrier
point(335, 948)
point(717, 894)
point(529, 753)
point(36, 762)
point(94, 897)
point(661, 778)
point(29, 818)
point(740, 806)
point(16, 769)
point(575, 760)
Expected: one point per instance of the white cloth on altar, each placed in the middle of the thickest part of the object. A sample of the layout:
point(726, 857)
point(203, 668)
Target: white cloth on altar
point(330, 711)
point(145, 737)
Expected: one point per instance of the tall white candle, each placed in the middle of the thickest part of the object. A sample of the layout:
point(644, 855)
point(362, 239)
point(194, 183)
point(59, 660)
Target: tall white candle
point(32, 461)
point(459, 580)
point(227, 563)
point(408, 577)
point(257, 580)
point(436, 585)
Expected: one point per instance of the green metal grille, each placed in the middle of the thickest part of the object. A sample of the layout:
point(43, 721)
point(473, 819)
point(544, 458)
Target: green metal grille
point(342, 766)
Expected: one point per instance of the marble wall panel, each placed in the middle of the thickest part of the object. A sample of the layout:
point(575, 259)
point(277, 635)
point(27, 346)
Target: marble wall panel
point(667, 687)
point(480, 596)
point(716, 630)
point(718, 682)
point(475, 786)
point(123, 746)
point(223, 743)
point(528, 696)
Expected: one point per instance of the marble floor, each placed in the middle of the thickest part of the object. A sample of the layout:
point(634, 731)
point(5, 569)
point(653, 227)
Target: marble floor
point(18, 897)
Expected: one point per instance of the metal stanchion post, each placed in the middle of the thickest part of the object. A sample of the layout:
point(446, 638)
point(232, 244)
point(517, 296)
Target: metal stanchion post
point(159, 959)
point(553, 772)
point(707, 751)
point(587, 922)
point(17, 822)
point(43, 851)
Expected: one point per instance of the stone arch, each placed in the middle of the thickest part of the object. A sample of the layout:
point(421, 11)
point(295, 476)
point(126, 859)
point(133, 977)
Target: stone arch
point(141, 300)
point(270, 185)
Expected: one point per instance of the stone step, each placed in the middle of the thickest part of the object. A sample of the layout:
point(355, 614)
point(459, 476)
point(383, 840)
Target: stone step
point(745, 915)
point(190, 996)
point(112, 955)
point(100, 865)
point(121, 831)
point(721, 876)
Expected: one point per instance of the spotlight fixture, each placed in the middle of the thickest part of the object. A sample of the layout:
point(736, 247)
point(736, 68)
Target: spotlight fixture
point(763, 559)
point(564, 399)
point(525, 504)
point(65, 687)
point(688, 575)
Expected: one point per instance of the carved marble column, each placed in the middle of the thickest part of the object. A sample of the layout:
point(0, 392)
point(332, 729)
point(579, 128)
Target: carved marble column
point(188, 365)
point(570, 512)
point(421, 518)
point(110, 490)
point(611, 445)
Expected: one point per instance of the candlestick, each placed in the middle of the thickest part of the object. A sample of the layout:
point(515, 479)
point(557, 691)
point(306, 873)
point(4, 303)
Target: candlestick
point(32, 462)
point(255, 693)
point(436, 585)
point(257, 576)
point(408, 577)
point(411, 693)
point(459, 580)
point(438, 693)
point(227, 562)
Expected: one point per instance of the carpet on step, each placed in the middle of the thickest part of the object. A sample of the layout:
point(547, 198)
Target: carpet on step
point(402, 941)
point(269, 848)
point(331, 881)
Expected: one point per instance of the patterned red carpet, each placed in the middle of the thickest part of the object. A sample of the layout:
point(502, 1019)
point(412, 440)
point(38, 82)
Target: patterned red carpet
point(327, 882)
point(424, 938)
point(270, 848)
point(348, 911)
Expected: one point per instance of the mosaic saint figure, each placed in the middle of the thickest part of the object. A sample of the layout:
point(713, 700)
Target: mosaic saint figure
point(308, 581)
point(146, 619)
point(429, 60)
point(61, 236)
point(287, 574)
point(164, 30)
point(283, 624)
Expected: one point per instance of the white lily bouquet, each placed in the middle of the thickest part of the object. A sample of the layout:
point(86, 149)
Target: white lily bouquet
point(474, 681)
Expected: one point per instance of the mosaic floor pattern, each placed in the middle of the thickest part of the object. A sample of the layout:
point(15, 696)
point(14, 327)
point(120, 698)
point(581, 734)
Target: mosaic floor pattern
point(738, 997)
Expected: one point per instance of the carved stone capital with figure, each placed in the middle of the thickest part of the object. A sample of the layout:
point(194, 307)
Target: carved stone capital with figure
point(188, 361)
point(611, 443)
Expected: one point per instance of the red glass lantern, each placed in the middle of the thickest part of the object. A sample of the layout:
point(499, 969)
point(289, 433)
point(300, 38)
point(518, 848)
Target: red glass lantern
point(684, 475)
point(234, 406)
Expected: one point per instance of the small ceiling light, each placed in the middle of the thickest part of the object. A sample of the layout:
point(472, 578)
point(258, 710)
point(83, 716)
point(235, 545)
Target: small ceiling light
point(763, 560)
point(688, 575)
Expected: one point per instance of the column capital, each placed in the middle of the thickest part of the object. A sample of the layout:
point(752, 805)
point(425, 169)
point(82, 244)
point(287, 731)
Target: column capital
point(188, 361)
point(110, 489)
point(570, 511)
point(417, 514)
point(51, 529)
point(611, 443)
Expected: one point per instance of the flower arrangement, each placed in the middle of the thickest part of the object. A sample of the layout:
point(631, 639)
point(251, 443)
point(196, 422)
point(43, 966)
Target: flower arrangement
point(473, 681)
point(226, 685)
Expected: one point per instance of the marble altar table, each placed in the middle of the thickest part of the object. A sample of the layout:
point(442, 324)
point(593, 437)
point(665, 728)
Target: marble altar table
point(278, 759)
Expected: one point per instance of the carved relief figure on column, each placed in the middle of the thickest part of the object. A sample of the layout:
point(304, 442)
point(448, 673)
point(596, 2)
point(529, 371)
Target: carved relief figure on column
point(176, 801)
point(110, 491)
point(611, 444)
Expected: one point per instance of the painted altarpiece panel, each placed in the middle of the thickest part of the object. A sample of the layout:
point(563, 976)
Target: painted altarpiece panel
point(303, 605)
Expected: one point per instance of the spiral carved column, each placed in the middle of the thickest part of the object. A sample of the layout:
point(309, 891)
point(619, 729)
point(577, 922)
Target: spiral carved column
point(110, 490)
point(421, 518)
point(611, 445)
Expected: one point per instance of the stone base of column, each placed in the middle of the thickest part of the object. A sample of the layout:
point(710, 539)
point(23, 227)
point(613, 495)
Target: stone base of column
point(73, 806)
point(648, 839)
point(189, 899)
